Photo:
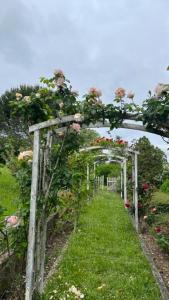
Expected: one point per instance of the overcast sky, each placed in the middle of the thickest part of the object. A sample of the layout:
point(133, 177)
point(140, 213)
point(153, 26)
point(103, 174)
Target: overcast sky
point(101, 43)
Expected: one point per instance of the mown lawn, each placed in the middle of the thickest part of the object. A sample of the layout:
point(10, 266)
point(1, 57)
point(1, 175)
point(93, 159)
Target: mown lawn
point(160, 198)
point(9, 191)
point(104, 259)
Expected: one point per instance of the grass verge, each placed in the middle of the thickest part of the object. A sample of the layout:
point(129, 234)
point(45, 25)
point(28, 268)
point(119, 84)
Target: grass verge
point(9, 191)
point(104, 259)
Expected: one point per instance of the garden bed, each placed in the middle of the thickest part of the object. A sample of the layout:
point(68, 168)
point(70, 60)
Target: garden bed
point(159, 256)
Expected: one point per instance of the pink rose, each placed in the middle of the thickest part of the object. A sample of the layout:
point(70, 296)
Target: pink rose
point(60, 81)
point(120, 93)
point(94, 92)
point(130, 95)
point(58, 73)
point(78, 117)
point(75, 127)
point(12, 221)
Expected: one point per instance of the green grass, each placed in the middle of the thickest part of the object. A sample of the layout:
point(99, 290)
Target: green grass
point(160, 198)
point(104, 252)
point(9, 191)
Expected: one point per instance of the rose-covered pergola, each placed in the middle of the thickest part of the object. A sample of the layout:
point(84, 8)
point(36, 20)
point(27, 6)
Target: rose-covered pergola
point(36, 129)
point(55, 108)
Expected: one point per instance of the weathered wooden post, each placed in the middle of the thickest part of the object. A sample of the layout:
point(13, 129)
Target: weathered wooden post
point(136, 189)
point(43, 218)
point(121, 181)
point(102, 182)
point(32, 218)
point(125, 179)
point(133, 176)
point(88, 179)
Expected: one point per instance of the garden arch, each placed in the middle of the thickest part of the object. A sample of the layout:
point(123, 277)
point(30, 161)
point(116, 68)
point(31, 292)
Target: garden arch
point(35, 129)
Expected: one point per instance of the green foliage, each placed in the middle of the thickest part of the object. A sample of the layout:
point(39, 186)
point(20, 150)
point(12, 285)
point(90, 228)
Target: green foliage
point(165, 186)
point(87, 136)
point(163, 241)
point(108, 170)
point(9, 191)
point(151, 161)
point(155, 111)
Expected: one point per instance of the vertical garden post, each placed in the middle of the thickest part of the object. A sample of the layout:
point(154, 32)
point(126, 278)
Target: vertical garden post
point(136, 188)
point(32, 218)
point(133, 176)
point(121, 180)
point(88, 179)
point(125, 179)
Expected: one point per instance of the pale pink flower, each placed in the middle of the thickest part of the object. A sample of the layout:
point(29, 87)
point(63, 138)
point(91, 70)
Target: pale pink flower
point(25, 154)
point(130, 95)
point(18, 96)
point(94, 92)
point(60, 81)
point(78, 117)
point(61, 105)
point(58, 73)
point(12, 221)
point(76, 127)
point(145, 217)
point(161, 88)
point(120, 93)
point(27, 99)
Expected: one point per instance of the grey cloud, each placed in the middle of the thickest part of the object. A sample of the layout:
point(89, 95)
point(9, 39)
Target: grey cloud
point(16, 27)
point(97, 43)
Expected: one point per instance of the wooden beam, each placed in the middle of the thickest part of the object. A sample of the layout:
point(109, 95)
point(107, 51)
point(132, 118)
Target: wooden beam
point(52, 122)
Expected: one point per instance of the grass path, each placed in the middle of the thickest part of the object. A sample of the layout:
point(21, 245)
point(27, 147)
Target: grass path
point(104, 259)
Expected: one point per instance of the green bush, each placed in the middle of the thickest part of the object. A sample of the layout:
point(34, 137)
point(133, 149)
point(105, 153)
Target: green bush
point(165, 186)
point(163, 241)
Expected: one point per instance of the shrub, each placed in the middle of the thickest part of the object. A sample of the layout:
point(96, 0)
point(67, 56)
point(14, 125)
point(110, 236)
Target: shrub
point(165, 186)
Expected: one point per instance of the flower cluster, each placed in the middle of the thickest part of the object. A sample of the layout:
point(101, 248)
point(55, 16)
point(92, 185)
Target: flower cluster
point(25, 155)
point(12, 221)
point(94, 92)
point(77, 293)
point(59, 79)
point(121, 93)
point(161, 89)
point(103, 141)
point(76, 127)
point(18, 96)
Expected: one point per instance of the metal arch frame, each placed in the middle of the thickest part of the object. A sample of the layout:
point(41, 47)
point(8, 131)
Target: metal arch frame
point(35, 129)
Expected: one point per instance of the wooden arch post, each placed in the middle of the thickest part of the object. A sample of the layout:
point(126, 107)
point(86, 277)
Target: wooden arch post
point(125, 179)
point(134, 155)
point(136, 189)
point(32, 218)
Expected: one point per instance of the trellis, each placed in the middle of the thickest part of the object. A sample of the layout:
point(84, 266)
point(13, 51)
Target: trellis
point(35, 129)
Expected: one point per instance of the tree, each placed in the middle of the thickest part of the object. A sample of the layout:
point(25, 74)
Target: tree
point(87, 136)
point(151, 161)
point(107, 170)
point(10, 124)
